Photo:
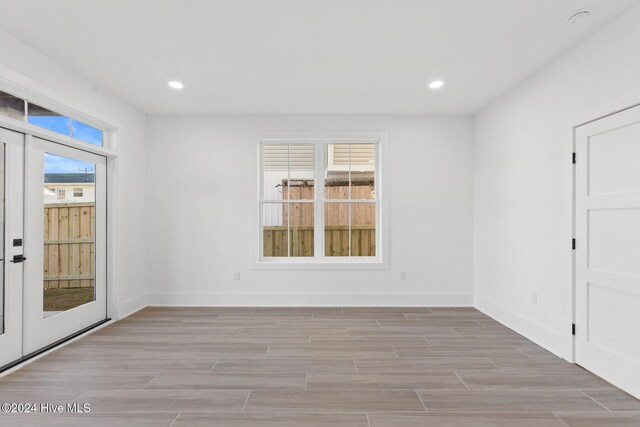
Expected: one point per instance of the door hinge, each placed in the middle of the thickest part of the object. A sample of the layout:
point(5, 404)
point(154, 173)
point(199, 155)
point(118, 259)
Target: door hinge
point(573, 329)
point(573, 158)
point(573, 244)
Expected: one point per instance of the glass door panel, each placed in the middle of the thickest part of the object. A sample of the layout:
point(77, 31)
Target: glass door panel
point(69, 233)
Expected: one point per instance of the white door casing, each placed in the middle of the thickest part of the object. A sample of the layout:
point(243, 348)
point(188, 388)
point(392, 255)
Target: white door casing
point(607, 257)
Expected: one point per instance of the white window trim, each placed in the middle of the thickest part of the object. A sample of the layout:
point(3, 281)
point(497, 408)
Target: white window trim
point(319, 261)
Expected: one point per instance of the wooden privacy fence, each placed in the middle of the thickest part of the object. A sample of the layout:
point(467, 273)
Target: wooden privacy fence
point(336, 213)
point(336, 240)
point(69, 245)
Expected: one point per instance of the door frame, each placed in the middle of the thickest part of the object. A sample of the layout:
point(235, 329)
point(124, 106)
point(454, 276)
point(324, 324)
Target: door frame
point(13, 274)
point(627, 103)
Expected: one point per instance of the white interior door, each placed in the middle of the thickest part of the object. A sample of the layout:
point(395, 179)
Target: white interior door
point(65, 275)
point(11, 220)
point(608, 248)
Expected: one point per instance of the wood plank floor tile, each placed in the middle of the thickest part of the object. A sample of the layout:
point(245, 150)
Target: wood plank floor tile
point(285, 365)
point(89, 419)
point(272, 316)
point(614, 400)
point(262, 340)
point(48, 395)
point(607, 419)
point(132, 341)
point(383, 381)
point(370, 315)
point(229, 381)
point(188, 333)
point(454, 351)
point(507, 401)
point(430, 323)
point(559, 380)
point(534, 350)
point(386, 310)
point(391, 340)
point(471, 341)
point(271, 420)
point(335, 351)
point(210, 350)
point(333, 401)
point(143, 321)
point(257, 332)
point(422, 365)
point(425, 331)
point(164, 400)
point(142, 363)
point(330, 323)
point(474, 419)
point(486, 332)
point(524, 364)
point(77, 380)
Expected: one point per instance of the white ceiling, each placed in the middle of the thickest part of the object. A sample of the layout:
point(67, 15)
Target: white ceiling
point(304, 56)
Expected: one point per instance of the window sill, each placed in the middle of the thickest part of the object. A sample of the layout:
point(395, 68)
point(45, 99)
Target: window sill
point(344, 264)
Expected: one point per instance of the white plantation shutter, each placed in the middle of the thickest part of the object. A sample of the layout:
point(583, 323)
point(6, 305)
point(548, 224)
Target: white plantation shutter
point(361, 154)
point(279, 157)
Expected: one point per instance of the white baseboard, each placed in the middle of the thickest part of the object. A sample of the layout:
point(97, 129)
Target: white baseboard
point(531, 330)
point(132, 305)
point(309, 300)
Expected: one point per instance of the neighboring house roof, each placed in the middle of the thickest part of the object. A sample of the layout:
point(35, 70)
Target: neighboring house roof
point(69, 178)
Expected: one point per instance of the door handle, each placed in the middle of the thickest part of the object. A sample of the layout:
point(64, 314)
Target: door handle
point(18, 259)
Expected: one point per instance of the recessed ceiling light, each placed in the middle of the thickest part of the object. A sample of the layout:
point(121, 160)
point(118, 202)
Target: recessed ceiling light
point(578, 16)
point(436, 84)
point(175, 85)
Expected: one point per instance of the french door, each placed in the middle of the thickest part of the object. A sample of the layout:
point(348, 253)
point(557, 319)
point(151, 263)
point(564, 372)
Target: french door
point(55, 227)
point(608, 248)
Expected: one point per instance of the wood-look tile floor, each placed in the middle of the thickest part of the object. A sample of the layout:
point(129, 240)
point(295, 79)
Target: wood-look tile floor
point(178, 367)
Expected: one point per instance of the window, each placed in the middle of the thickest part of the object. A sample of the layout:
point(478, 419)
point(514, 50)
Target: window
point(77, 192)
point(19, 109)
point(10, 106)
point(335, 223)
point(65, 125)
point(62, 194)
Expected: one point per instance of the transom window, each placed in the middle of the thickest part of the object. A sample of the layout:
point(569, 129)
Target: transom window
point(335, 221)
point(20, 109)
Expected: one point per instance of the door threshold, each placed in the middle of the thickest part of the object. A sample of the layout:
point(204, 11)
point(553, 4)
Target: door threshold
point(53, 346)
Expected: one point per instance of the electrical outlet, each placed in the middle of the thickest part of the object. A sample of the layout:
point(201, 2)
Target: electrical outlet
point(533, 298)
point(236, 275)
point(403, 275)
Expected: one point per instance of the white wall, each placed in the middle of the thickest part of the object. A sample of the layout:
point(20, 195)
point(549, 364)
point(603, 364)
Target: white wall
point(22, 65)
point(202, 192)
point(523, 180)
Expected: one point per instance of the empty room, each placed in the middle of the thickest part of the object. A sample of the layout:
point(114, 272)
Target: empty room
point(358, 213)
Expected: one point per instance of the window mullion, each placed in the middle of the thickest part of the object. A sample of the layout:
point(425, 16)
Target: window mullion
point(288, 200)
point(318, 221)
point(350, 204)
